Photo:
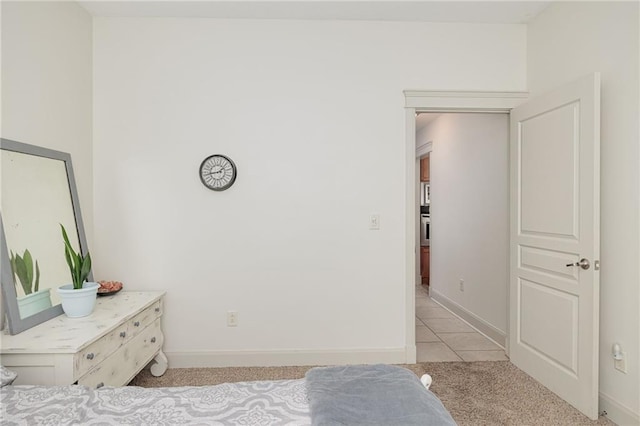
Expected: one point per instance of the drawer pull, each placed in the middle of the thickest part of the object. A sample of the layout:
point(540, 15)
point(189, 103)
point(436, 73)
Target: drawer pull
point(123, 334)
point(136, 324)
point(153, 340)
point(90, 356)
point(157, 309)
point(99, 385)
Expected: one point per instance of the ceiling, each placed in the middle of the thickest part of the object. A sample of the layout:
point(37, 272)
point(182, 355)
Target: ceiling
point(495, 12)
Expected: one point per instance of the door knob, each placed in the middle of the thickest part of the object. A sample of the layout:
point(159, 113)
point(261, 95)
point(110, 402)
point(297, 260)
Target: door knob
point(583, 263)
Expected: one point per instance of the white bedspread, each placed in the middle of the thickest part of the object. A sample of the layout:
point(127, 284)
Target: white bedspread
point(282, 402)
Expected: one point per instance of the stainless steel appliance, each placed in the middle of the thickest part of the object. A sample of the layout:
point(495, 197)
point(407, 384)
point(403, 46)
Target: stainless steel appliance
point(425, 193)
point(425, 222)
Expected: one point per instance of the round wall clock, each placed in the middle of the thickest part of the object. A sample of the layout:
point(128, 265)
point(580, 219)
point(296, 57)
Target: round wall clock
point(218, 172)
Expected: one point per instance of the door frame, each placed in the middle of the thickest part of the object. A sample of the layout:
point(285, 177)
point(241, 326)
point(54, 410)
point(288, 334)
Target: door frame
point(436, 101)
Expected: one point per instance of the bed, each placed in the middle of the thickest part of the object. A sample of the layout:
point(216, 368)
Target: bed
point(372, 395)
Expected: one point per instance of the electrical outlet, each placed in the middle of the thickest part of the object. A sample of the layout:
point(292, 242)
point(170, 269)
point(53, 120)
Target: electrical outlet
point(232, 319)
point(374, 221)
point(621, 364)
point(461, 284)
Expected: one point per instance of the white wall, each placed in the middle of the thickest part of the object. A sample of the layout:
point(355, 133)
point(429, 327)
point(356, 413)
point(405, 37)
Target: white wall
point(47, 84)
point(469, 216)
point(421, 135)
point(312, 114)
point(566, 41)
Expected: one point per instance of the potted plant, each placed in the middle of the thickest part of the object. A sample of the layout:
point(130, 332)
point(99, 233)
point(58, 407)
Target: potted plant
point(34, 299)
point(79, 297)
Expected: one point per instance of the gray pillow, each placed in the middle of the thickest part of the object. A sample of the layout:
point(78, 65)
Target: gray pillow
point(6, 376)
point(370, 395)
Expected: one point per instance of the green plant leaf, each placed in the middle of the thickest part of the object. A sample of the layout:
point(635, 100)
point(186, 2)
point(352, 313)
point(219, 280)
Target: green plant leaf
point(36, 286)
point(21, 271)
point(67, 244)
point(78, 271)
point(79, 266)
point(64, 236)
point(22, 267)
point(77, 281)
point(86, 268)
point(68, 257)
point(28, 264)
point(73, 260)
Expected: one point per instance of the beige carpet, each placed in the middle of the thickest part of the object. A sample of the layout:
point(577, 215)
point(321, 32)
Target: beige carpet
point(476, 393)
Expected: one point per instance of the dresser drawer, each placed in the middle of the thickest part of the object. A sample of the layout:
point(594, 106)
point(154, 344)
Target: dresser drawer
point(99, 350)
point(144, 318)
point(130, 358)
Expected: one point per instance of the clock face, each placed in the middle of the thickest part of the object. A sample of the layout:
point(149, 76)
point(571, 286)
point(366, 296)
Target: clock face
point(218, 172)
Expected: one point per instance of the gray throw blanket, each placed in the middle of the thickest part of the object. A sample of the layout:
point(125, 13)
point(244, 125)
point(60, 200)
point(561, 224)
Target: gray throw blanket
point(372, 395)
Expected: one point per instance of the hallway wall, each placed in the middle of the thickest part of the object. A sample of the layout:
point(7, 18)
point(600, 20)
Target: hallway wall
point(470, 216)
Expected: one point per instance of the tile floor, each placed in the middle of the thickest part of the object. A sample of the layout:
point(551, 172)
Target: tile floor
point(442, 336)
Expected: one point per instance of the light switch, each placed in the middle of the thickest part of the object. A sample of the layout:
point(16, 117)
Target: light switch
point(374, 221)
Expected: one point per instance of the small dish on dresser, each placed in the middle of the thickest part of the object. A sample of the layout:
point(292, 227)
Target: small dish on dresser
point(108, 293)
point(108, 288)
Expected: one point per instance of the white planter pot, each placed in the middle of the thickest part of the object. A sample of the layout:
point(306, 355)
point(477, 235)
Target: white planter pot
point(78, 303)
point(33, 303)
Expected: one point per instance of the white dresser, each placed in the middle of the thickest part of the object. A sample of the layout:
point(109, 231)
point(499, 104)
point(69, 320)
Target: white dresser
point(107, 348)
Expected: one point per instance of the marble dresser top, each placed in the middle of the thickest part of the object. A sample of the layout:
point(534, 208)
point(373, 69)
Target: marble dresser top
point(69, 335)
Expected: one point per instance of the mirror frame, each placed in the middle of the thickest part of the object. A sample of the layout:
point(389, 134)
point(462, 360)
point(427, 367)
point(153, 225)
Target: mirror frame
point(15, 323)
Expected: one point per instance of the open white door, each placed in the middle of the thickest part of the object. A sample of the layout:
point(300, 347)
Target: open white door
point(555, 241)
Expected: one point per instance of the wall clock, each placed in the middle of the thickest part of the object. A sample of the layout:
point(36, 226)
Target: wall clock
point(218, 172)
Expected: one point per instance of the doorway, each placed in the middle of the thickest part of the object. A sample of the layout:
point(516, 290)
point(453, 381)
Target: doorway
point(466, 168)
point(423, 101)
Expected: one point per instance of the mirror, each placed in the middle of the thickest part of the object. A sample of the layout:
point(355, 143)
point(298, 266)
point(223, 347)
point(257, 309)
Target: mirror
point(38, 194)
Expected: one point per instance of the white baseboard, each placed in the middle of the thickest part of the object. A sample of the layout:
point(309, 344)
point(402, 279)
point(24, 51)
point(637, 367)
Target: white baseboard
point(474, 321)
point(411, 354)
point(616, 412)
point(286, 357)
